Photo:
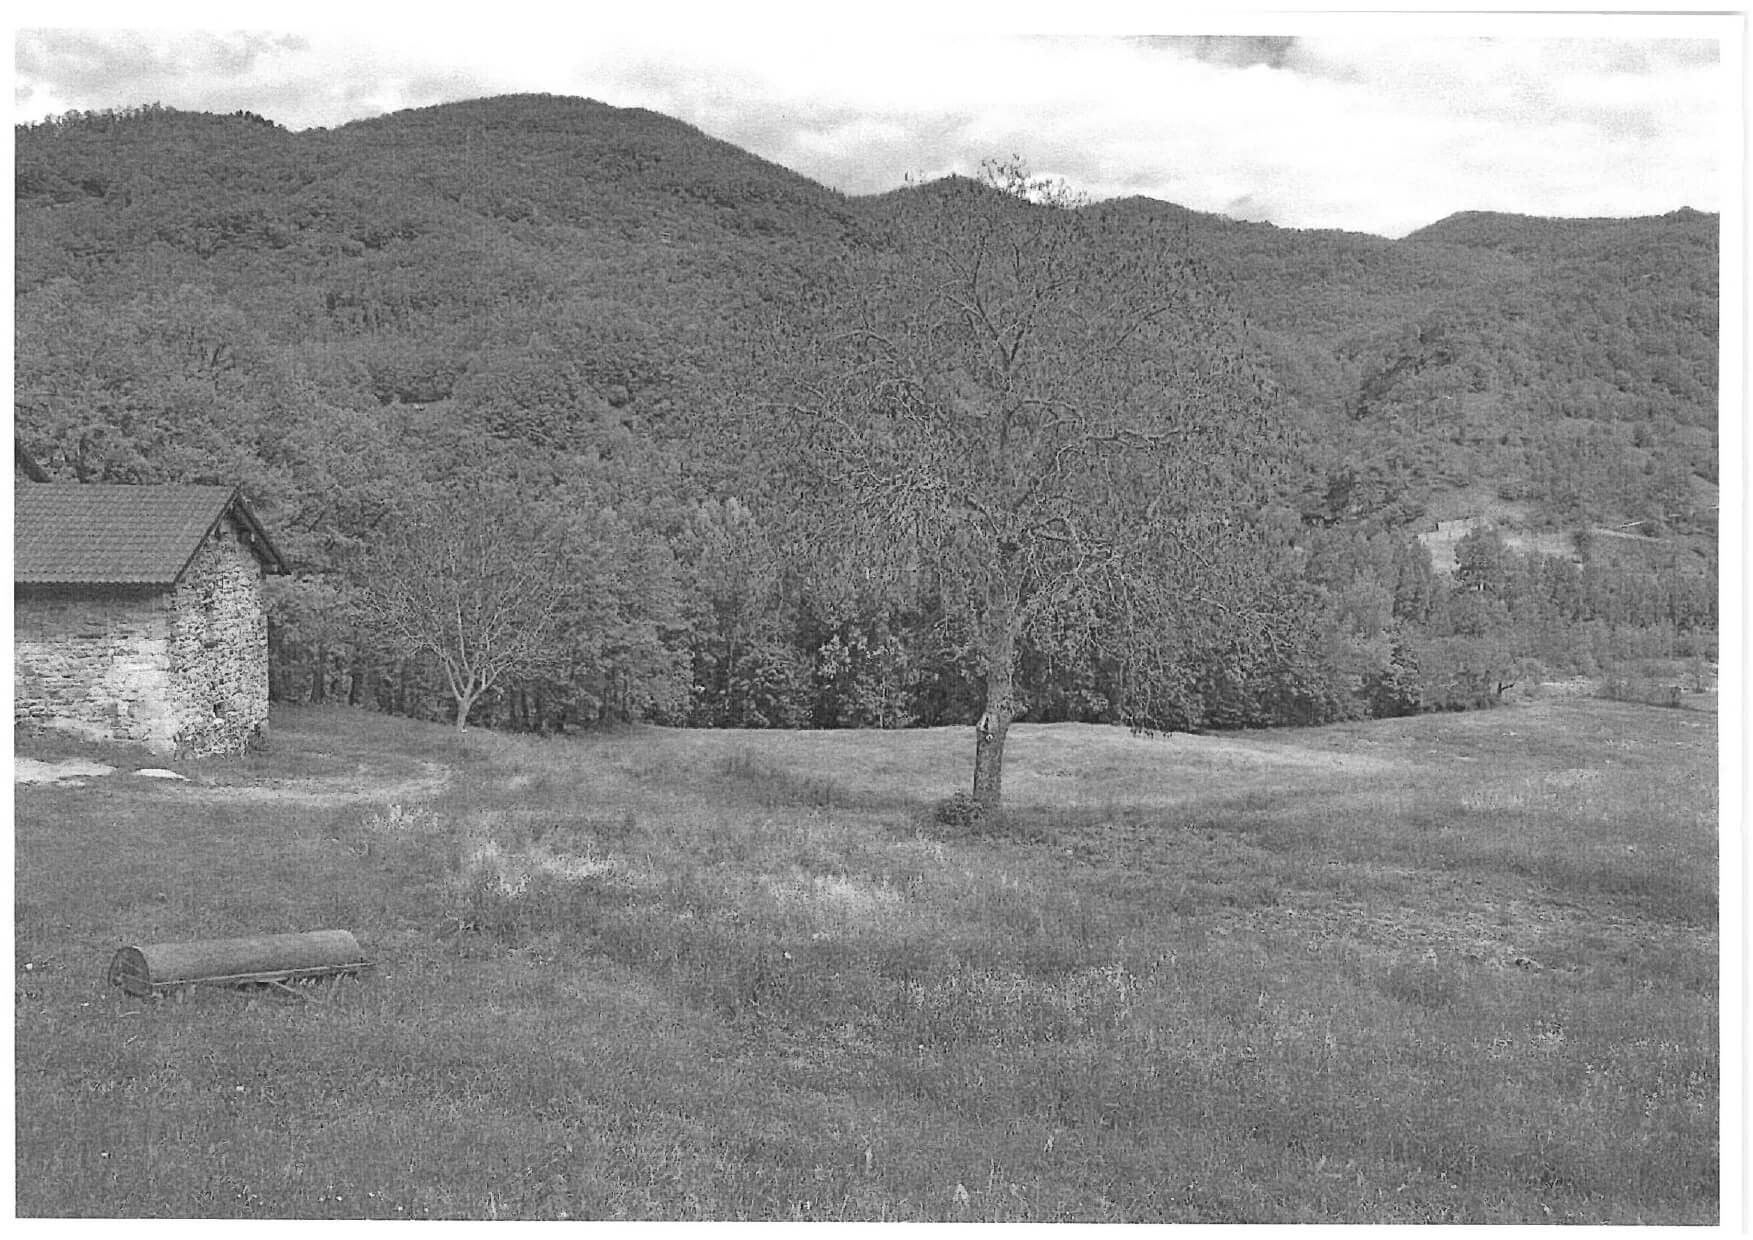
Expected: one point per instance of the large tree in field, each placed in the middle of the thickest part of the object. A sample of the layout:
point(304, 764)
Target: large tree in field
point(473, 580)
point(1041, 411)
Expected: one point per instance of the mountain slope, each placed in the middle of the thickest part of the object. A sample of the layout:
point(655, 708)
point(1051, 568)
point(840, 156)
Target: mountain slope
point(417, 252)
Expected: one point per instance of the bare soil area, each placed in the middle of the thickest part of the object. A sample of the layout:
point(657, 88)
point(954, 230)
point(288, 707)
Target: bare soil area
point(315, 791)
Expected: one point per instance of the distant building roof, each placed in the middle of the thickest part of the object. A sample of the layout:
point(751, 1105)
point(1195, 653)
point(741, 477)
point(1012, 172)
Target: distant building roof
point(91, 534)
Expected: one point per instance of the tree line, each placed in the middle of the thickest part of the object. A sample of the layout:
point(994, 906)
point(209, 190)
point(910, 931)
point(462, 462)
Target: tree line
point(716, 626)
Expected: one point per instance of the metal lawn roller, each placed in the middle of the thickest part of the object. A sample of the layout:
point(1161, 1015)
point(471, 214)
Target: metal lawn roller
point(274, 960)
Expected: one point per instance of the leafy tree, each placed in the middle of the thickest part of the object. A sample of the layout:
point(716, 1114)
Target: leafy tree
point(1462, 672)
point(1482, 562)
point(471, 580)
point(864, 680)
point(621, 659)
point(747, 674)
point(1393, 689)
point(1055, 427)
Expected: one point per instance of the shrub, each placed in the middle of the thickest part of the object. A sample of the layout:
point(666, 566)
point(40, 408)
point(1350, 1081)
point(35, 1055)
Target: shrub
point(1621, 686)
point(960, 810)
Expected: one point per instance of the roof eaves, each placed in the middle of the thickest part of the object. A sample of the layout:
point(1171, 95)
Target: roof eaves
point(260, 543)
point(212, 524)
point(261, 546)
point(110, 580)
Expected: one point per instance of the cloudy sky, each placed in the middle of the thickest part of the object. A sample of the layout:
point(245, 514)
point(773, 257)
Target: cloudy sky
point(1381, 125)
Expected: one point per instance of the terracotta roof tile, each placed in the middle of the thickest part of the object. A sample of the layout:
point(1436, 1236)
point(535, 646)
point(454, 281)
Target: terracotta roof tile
point(88, 534)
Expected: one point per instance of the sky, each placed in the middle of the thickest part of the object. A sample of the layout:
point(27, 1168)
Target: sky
point(1380, 125)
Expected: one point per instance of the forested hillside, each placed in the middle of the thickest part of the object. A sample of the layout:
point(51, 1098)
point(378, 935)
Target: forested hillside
point(564, 326)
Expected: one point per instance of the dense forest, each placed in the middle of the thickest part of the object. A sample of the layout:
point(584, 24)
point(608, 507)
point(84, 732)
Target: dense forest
point(549, 338)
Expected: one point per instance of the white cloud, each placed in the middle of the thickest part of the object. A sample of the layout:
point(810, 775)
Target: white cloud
point(1376, 133)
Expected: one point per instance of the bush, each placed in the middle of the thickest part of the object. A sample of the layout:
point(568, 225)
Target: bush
point(960, 810)
point(964, 816)
point(1639, 689)
point(1622, 684)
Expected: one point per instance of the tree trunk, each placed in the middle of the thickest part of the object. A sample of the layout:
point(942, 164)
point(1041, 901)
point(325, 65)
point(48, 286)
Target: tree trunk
point(994, 725)
point(466, 700)
point(989, 736)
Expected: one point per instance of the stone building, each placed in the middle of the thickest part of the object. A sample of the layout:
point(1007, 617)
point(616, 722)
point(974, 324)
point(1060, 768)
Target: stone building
point(138, 617)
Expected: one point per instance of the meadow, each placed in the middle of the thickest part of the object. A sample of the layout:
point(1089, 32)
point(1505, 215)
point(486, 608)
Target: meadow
point(1457, 968)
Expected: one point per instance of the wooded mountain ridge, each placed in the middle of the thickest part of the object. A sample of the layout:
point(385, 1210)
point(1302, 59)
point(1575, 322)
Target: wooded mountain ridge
point(572, 297)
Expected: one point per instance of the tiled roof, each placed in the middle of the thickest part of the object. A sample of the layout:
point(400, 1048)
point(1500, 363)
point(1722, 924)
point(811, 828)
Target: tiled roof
point(89, 534)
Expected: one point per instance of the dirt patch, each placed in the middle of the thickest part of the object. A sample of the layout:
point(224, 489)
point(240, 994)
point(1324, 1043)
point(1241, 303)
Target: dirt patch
point(328, 792)
point(72, 771)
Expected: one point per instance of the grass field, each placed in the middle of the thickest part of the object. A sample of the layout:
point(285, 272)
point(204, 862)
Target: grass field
point(1454, 968)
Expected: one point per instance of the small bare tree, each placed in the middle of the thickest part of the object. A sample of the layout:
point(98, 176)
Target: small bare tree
point(473, 580)
point(1053, 421)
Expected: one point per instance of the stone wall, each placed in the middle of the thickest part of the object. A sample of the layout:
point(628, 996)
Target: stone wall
point(182, 670)
point(94, 661)
point(219, 649)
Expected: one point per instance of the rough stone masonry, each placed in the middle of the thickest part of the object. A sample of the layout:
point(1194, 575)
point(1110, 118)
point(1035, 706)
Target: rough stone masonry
point(182, 670)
